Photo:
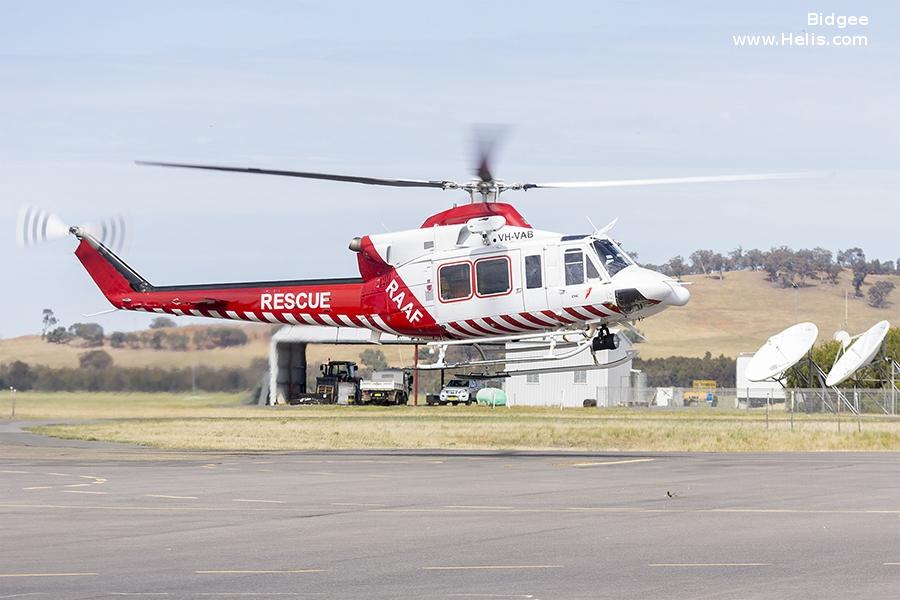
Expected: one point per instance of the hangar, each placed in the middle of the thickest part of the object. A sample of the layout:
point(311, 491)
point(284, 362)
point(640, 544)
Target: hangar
point(609, 387)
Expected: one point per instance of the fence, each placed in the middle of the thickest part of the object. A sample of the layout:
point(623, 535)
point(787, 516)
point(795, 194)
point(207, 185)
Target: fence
point(801, 400)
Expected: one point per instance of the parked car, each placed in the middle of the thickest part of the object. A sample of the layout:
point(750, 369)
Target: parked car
point(460, 390)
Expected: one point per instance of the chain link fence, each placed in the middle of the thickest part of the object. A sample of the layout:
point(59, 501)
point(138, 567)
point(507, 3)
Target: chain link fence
point(799, 400)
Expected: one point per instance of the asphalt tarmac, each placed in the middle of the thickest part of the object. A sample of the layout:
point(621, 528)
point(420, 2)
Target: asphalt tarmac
point(84, 520)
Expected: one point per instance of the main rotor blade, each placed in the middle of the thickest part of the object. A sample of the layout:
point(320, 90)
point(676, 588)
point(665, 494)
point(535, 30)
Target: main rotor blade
point(668, 180)
point(487, 140)
point(308, 175)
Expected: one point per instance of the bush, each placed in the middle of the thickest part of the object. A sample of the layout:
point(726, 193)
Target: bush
point(59, 336)
point(220, 337)
point(20, 376)
point(879, 292)
point(91, 333)
point(117, 339)
point(95, 359)
point(161, 323)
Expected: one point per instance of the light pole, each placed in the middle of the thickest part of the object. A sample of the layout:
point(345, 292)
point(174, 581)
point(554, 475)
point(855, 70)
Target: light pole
point(12, 399)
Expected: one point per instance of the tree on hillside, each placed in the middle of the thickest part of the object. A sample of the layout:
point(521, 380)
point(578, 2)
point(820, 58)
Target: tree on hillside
point(702, 260)
point(117, 339)
point(373, 359)
point(677, 266)
point(879, 293)
point(91, 333)
point(95, 359)
point(161, 323)
point(48, 321)
point(60, 335)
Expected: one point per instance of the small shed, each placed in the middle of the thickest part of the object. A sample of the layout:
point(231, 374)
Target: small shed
point(609, 387)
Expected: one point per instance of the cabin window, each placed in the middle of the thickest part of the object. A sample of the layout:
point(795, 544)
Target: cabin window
point(492, 276)
point(611, 256)
point(455, 281)
point(574, 266)
point(533, 277)
point(579, 376)
point(533, 378)
point(592, 272)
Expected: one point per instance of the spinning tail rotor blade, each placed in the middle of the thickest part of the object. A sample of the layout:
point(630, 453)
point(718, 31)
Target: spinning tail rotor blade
point(308, 175)
point(668, 180)
point(36, 226)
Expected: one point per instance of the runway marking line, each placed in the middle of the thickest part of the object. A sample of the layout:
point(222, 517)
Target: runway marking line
point(6, 575)
point(891, 564)
point(253, 500)
point(355, 504)
point(581, 465)
point(139, 508)
point(171, 497)
point(71, 485)
point(38, 487)
point(258, 571)
point(747, 564)
point(489, 567)
point(16, 472)
point(59, 474)
point(82, 492)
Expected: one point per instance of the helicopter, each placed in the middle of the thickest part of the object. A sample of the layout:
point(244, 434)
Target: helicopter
point(474, 274)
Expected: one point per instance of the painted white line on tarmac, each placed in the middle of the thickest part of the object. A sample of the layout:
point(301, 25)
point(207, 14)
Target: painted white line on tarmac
point(489, 567)
point(258, 572)
point(38, 487)
point(746, 564)
point(82, 492)
point(171, 497)
point(16, 472)
point(139, 508)
point(355, 504)
point(611, 462)
point(254, 500)
point(5, 575)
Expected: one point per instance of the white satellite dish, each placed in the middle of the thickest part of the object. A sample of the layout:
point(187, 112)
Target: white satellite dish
point(781, 352)
point(859, 354)
point(843, 337)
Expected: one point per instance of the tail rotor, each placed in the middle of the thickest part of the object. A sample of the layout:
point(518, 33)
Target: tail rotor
point(35, 226)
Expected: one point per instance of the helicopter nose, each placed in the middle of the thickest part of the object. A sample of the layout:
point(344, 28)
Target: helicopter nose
point(679, 296)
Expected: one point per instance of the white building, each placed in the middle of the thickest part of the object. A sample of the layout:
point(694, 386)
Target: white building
point(609, 387)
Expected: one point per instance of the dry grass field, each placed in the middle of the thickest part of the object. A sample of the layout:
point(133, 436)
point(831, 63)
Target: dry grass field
point(738, 313)
point(221, 422)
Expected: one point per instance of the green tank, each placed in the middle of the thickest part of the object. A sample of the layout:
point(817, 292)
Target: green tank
point(491, 397)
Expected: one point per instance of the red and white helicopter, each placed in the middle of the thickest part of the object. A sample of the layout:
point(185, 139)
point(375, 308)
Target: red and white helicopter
point(473, 274)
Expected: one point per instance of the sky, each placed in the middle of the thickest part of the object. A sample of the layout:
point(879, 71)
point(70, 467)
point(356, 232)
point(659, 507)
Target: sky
point(589, 90)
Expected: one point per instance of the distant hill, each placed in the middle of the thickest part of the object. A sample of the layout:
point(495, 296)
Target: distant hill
point(739, 312)
point(33, 350)
point(725, 316)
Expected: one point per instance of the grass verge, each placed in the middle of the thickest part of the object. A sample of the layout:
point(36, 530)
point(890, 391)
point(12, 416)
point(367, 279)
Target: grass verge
point(221, 422)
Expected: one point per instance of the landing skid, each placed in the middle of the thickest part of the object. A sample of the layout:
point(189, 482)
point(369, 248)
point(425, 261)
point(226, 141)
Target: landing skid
point(629, 355)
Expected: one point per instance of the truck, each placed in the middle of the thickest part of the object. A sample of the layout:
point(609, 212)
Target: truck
point(339, 383)
point(702, 391)
point(387, 386)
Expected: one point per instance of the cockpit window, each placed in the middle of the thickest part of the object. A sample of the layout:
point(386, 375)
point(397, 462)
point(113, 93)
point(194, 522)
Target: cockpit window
point(612, 258)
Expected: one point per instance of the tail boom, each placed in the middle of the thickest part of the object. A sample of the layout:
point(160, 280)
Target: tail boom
point(328, 302)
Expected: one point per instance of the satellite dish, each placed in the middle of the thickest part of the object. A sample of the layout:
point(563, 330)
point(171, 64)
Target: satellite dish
point(781, 352)
point(843, 337)
point(859, 354)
